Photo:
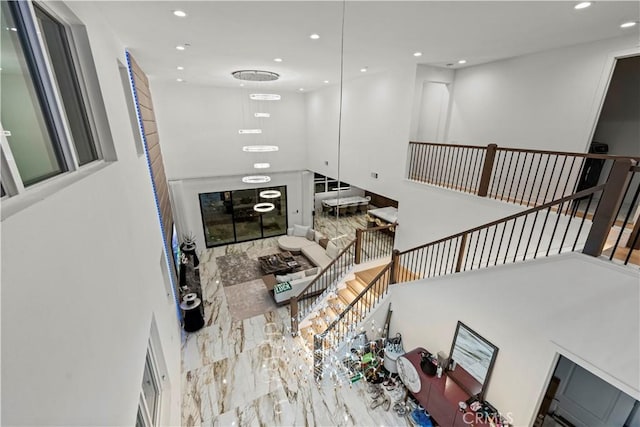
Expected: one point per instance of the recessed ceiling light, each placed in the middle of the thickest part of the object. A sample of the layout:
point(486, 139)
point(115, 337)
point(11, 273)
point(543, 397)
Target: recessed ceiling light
point(179, 68)
point(241, 84)
point(12, 29)
point(179, 80)
point(364, 69)
point(248, 131)
point(181, 47)
point(314, 36)
point(261, 165)
point(260, 148)
point(582, 5)
point(462, 61)
point(277, 59)
point(256, 179)
point(261, 114)
point(628, 24)
point(326, 81)
point(264, 97)
point(417, 53)
point(264, 207)
point(301, 89)
point(179, 13)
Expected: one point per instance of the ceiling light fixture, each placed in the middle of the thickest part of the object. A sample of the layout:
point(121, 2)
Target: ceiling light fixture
point(180, 47)
point(256, 179)
point(462, 61)
point(326, 81)
point(256, 75)
point(301, 89)
point(179, 13)
point(179, 68)
point(248, 131)
point(260, 148)
point(629, 24)
point(264, 97)
point(314, 36)
point(270, 194)
point(277, 59)
point(267, 115)
point(264, 207)
point(261, 165)
point(417, 54)
point(179, 80)
point(364, 69)
point(582, 5)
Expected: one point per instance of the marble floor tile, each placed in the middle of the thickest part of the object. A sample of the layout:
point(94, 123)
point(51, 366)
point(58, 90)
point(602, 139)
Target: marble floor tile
point(251, 372)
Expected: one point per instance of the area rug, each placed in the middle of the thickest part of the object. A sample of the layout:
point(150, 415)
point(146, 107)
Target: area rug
point(237, 268)
point(249, 299)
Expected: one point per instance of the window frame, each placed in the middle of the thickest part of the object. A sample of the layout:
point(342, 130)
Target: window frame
point(148, 418)
point(18, 195)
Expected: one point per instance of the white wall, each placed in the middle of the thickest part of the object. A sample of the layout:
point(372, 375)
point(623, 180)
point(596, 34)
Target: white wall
point(574, 305)
point(548, 100)
point(188, 218)
point(376, 118)
point(81, 281)
point(199, 125)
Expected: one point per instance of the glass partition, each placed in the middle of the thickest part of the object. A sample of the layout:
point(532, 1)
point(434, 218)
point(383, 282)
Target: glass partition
point(230, 217)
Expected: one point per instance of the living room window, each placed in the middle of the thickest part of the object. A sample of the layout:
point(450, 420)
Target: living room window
point(149, 406)
point(231, 217)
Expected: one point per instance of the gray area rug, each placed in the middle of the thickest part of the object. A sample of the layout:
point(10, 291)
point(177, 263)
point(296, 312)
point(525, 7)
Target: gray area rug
point(249, 299)
point(237, 268)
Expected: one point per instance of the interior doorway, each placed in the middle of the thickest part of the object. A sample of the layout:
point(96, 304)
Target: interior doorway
point(577, 398)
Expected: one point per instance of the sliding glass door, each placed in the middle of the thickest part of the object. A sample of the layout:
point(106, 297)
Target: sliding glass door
point(231, 217)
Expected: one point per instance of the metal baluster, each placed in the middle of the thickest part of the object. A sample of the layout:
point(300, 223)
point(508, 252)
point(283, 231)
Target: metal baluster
point(506, 179)
point(524, 224)
point(503, 157)
point(526, 249)
point(493, 238)
point(524, 162)
point(484, 243)
point(544, 172)
point(575, 242)
point(506, 254)
point(558, 214)
point(535, 176)
point(513, 176)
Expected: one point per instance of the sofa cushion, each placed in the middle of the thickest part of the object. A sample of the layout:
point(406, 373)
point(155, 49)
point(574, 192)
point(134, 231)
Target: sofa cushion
point(317, 236)
point(311, 272)
point(293, 243)
point(316, 255)
point(300, 230)
point(283, 278)
point(332, 250)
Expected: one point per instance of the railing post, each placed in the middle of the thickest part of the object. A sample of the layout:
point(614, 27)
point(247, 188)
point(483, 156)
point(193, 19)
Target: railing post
point(358, 245)
point(605, 215)
point(293, 304)
point(487, 169)
point(395, 266)
point(461, 251)
point(318, 356)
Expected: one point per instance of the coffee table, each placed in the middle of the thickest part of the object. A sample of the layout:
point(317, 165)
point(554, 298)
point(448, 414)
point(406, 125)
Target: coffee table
point(281, 263)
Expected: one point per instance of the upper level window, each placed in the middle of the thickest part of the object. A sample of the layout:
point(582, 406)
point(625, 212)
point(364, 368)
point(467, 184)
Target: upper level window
point(45, 116)
point(24, 113)
point(56, 42)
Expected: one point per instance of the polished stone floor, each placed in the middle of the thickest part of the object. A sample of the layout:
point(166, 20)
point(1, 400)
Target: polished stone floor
point(253, 373)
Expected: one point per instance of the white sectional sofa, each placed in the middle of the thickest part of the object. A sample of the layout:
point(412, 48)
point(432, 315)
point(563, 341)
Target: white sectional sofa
point(306, 240)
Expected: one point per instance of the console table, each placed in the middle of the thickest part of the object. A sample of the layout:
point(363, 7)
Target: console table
point(441, 397)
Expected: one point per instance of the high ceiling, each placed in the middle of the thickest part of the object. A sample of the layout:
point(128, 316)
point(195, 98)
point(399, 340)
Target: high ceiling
point(225, 36)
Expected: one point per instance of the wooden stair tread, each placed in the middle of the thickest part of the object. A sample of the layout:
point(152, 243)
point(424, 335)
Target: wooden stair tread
point(368, 275)
point(346, 295)
point(357, 285)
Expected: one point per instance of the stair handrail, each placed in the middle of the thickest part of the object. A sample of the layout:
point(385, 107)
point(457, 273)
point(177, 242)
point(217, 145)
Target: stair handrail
point(293, 302)
point(360, 232)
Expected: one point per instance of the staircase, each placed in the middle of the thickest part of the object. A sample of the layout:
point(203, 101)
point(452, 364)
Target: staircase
point(584, 220)
point(336, 302)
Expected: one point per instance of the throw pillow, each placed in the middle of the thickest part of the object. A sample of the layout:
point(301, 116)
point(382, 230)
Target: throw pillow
point(323, 242)
point(317, 236)
point(283, 278)
point(296, 276)
point(310, 234)
point(300, 230)
point(332, 250)
point(311, 272)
